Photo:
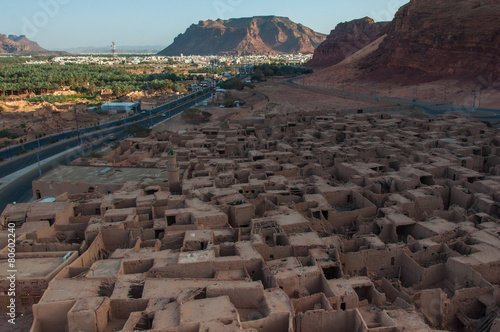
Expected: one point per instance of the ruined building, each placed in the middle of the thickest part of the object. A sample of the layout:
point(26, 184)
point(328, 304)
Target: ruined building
point(305, 222)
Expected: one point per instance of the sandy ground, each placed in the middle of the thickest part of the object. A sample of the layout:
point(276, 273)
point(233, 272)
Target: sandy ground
point(286, 97)
point(441, 91)
point(219, 116)
point(484, 91)
point(276, 96)
point(23, 324)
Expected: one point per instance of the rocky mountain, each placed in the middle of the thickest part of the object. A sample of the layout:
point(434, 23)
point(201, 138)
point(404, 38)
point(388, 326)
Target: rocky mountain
point(259, 35)
point(445, 37)
point(19, 45)
point(346, 39)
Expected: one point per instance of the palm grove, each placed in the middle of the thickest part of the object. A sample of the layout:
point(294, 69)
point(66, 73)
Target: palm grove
point(20, 79)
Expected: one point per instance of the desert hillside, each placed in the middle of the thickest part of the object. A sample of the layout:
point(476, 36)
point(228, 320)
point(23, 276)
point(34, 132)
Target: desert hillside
point(445, 52)
point(346, 39)
point(450, 37)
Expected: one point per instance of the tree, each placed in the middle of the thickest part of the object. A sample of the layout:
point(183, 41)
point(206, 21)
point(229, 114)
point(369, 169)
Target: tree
point(180, 87)
point(195, 116)
point(228, 103)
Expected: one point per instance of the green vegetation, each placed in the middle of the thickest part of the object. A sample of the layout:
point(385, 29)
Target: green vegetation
point(18, 79)
point(138, 131)
point(93, 155)
point(58, 99)
point(4, 61)
point(228, 103)
point(235, 83)
point(2, 109)
point(207, 70)
point(269, 70)
point(4, 133)
point(101, 112)
point(194, 116)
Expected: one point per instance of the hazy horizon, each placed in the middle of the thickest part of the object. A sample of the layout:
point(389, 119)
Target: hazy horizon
point(65, 24)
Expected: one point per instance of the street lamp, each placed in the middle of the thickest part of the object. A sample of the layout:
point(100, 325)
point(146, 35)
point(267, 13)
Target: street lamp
point(475, 96)
point(38, 151)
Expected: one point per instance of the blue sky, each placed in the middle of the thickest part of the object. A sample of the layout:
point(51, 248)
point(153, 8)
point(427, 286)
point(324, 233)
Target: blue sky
point(62, 24)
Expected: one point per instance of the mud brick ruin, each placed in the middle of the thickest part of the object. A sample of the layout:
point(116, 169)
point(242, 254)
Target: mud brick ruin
point(304, 222)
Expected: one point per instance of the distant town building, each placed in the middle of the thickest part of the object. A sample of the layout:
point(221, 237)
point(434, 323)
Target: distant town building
point(121, 108)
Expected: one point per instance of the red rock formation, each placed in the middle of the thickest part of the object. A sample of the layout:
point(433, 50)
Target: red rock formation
point(345, 40)
point(18, 44)
point(244, 36)
point(442, 37)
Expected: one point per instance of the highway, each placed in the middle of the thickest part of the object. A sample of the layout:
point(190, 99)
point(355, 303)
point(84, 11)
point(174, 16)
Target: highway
point(90, 134)
point(19, 189)
point(44, 141)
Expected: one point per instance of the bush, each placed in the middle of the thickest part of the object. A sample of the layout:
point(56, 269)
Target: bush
point(248, 85)
point(268, 70)
point(58, 99)
point(4, 133)
point(2, 109)
point(232, 84)
point(93, 155)
point(228, 103)
point(257, 77)
point(138, 131)
point(194, 116)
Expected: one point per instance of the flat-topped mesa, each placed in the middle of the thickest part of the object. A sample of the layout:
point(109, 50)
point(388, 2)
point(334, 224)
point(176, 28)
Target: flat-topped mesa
point(19, 44)
point(259, 35)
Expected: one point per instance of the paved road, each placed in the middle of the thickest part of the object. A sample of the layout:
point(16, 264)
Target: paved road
point(20, 189)
point(89, 134)
point(44, 141)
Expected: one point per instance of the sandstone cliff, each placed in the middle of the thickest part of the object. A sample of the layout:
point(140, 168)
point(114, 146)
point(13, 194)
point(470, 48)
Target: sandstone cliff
point(445, 37)
point(346, 39)
point(18, 44)
point(255, 35)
